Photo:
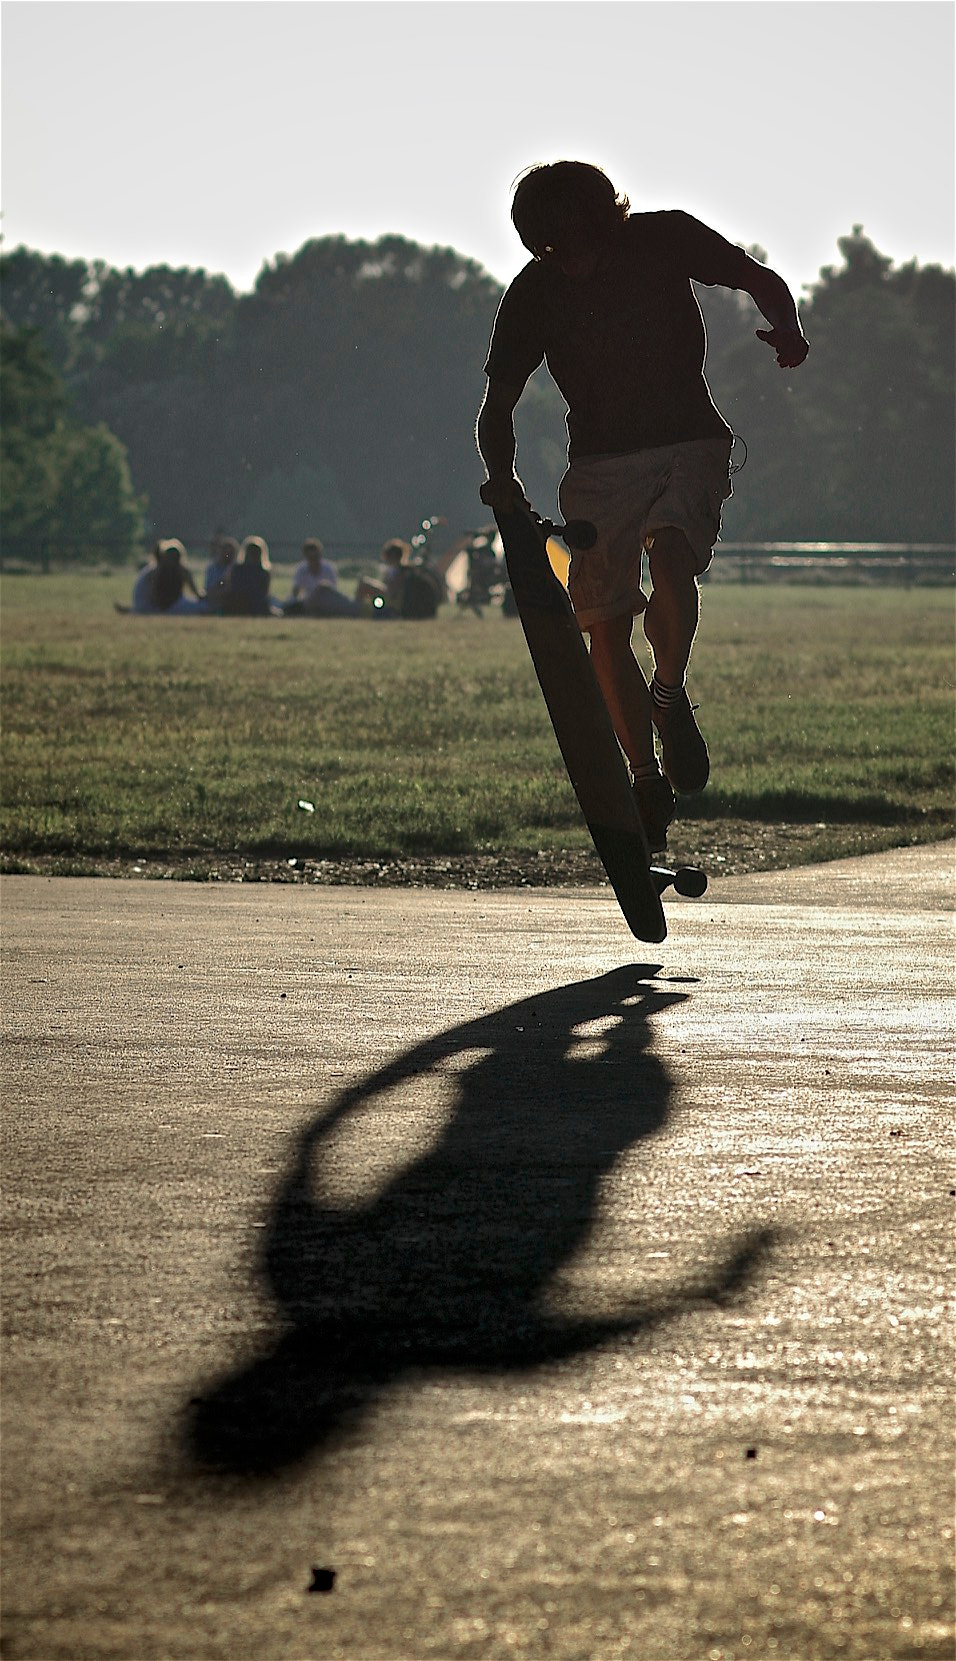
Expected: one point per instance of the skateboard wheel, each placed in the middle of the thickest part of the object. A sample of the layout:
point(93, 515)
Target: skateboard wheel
point(690, 882)
point(579, 533)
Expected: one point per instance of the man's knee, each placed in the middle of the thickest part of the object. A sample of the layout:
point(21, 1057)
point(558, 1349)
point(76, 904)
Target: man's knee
point(671, 559)
point(611, 638)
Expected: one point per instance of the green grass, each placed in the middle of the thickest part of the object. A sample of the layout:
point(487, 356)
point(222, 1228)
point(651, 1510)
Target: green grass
point(828, 713)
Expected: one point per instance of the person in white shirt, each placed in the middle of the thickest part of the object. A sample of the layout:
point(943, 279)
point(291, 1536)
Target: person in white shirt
point(315, 587)
point(312, 569)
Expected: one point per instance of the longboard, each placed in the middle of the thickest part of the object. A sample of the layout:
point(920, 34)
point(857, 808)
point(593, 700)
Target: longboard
point(582, 727)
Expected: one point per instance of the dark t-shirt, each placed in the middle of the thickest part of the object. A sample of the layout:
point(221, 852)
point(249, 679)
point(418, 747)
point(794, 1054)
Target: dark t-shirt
point(169, 580)
point(248, 590)
point(625, 347)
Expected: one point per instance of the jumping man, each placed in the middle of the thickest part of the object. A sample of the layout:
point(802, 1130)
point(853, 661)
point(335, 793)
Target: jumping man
point(607, 301)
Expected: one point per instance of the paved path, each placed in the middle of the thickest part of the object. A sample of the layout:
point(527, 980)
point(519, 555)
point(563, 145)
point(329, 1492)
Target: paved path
point(567, 1299)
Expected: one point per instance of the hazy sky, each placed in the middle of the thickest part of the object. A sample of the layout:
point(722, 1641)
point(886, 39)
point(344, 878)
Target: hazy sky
point(220, 132)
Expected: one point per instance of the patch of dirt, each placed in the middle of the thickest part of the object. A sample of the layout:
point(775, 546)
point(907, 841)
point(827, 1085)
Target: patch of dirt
point(722, 847)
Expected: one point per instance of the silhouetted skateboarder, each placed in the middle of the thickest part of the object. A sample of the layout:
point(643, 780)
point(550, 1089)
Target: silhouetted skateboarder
point(607, 303)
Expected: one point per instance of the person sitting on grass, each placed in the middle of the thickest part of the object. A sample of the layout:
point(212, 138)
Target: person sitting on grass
point(225, 551)
point(247, 590)
point(315, 587)
point(607, 301)
point(385, 590)
point(162, 582)
point(313, 569)
point(142, 597)
point(171, 580)
point(407, 587)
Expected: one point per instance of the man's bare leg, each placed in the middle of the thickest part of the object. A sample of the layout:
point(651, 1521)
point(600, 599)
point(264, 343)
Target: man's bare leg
point(670, 624)
point(625, 689)
point(673, 610)
point(628, 700)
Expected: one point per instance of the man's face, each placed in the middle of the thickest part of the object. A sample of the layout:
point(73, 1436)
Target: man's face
point(576, 248)
point(577, 263)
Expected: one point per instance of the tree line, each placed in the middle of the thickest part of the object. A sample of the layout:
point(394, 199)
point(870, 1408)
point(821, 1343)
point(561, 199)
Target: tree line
point(338, 399)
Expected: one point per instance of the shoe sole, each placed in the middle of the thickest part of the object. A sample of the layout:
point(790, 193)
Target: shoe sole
point(694, 779)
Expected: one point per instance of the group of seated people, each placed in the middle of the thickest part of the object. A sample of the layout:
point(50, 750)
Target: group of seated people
point(238, 581)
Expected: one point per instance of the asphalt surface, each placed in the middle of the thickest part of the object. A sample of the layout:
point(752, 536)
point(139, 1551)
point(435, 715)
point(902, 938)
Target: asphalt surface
point(560, 1297)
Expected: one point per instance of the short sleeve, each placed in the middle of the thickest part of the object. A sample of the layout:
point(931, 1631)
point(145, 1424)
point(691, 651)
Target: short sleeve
point(704, 254)
point(517, 338)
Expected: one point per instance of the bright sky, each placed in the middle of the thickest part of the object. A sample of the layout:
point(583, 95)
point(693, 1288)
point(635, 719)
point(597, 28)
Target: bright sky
point(217, 133)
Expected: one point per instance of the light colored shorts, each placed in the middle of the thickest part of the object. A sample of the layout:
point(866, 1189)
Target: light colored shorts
point(627, 498)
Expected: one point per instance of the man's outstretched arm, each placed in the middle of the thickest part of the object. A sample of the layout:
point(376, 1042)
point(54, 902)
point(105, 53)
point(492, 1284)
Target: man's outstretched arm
point(772, 296)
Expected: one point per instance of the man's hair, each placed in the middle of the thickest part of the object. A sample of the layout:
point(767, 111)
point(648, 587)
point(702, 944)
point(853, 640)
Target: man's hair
point(552, 197)
point(312, 545)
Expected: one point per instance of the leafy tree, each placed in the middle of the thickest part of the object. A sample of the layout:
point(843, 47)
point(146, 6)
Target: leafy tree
point(359, 364)
point(66, 487)
point(858, 443)
point(162, 316)
point(94, 512)
point(32, 395)
point(45, 292)
point(365, 358)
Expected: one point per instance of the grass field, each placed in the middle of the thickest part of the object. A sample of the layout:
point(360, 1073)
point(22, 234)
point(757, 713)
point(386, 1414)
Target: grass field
point(186, 744)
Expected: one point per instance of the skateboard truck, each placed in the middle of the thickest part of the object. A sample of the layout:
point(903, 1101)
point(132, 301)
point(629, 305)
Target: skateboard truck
point(577, 533)
point(688, 880)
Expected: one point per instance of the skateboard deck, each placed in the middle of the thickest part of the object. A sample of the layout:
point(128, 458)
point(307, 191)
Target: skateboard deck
point(582, 727)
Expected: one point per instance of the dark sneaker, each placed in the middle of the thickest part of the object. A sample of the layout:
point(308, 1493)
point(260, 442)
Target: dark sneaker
point(655, 804)
point(683, 751)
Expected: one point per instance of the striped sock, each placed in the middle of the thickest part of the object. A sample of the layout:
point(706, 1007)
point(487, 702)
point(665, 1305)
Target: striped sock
point(664, 696)
point(649, 770)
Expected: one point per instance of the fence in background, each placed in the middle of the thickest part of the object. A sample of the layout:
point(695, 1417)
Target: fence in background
point(908, 564)
point(905, 564)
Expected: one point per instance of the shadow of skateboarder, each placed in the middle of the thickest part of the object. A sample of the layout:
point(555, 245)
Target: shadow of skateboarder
point(449, 1266)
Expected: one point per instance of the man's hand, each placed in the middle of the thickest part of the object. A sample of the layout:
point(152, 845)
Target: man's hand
point(790, 345)
point(503, 495)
